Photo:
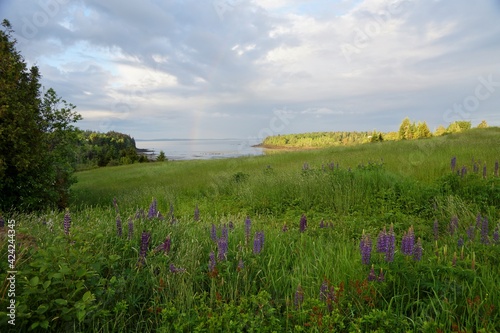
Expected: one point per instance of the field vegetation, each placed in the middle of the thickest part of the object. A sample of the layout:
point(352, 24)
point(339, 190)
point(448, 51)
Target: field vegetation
point(398, 236)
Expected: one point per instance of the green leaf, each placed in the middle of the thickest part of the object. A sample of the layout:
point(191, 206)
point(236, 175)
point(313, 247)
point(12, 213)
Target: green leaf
point(88, 297)
point(114, 257)
point(34, 281)
point(42, 308)
point(61, 301)
point(46, 284)
point(80, 314)
point(64, 270)
point(44, 324)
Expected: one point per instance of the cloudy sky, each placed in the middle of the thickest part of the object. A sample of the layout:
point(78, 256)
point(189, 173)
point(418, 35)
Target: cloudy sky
point(251, 68)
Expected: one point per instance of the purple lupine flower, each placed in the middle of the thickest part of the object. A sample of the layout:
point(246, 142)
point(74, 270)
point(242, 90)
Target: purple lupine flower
point(67, 222)
point(496, 168)
point(145, 237)
point(211, 262)
point(165, 246)
point(371, 275)
point(174, 269)
point(248, 227)
point(496, 237)
point(225, 232)
point(453, 163)
point(130, 228)
point(460, 242)
point(196, 213)
point(484, 231)
point(408, 242)
point(436, 229)
point(298, 298)
point(417, 251)
point(258, 242)
point(391, 245)
point(323, 291)
point(285, 228)
point(119, 226)
point(475, 168)
point(382, 241)
point(213, 233)
point(240, 266)
point(365, 247)
point(453, 225)
point(464, 171)
point(322, 224)
point(470, 233)
point(303, 223)
point(231, 225)
point(381, 277)
point(152, 212)
point(222, 249)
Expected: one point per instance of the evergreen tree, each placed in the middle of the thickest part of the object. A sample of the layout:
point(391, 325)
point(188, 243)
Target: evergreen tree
point(35, 136)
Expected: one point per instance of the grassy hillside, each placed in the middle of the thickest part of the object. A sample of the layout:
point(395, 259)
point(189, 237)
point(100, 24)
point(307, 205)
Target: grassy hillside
point(370, 238)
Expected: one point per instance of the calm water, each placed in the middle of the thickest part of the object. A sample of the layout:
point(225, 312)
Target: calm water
point(191, 149)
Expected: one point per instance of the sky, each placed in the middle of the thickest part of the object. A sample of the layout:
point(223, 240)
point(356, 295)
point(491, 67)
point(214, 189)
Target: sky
point(252, 68)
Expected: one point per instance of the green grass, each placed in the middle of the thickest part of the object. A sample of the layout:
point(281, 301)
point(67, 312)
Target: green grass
point(90, 280)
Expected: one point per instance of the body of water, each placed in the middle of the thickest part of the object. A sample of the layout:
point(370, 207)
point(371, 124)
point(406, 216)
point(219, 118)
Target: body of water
point(191, 149)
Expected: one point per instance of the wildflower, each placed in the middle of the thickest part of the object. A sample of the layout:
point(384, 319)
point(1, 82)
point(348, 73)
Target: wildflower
point(231, 225)
point(211, 263)
point(417, 251)
point(408, 242)
point(119, 226)
point(323, 291)
point(371, 275)
point(248, 227)
point(436, 229)
point(213, 233)
point(496, 236)
point(298, 298)
point(165, 246)
point(322, 224)
point(67, 222)
point(381, 276)
point(484, 231)
point(391, 245)
point(241, 265)
point(152, 212)
point(130, 228)
point(365, 247)
point(174, 269)
point(303, 223)
point(382, 241)
point(496, 168)
point(463, 172)
point(225, 232)
point(285, 228)
point(453, 163)
point(258, 242)
point(453, 225)
point(460, 242)
point(196, 213)
point(145, 237)
point(470, 233)
point(222, 249)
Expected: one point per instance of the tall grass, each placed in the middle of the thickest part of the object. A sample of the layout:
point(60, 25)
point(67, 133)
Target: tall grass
point(92, 279)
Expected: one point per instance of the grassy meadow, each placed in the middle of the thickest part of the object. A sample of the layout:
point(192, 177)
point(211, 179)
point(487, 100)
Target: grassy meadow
point(397, 236)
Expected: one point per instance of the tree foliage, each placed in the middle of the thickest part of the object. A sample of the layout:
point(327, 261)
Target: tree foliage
point(36, 136)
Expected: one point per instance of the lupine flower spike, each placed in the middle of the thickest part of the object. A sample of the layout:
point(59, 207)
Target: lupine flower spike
point(145, 237)
point(303, 223)
point(119, 230)
point(298, 298)
point(365, 247)
point(67, 222)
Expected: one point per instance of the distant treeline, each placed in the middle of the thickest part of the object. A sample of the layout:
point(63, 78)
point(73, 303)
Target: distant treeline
point(97, 149)
point(408, 130)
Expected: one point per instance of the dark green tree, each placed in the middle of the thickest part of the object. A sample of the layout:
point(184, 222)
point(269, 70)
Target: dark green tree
point(35, 135)
point(161, 157)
